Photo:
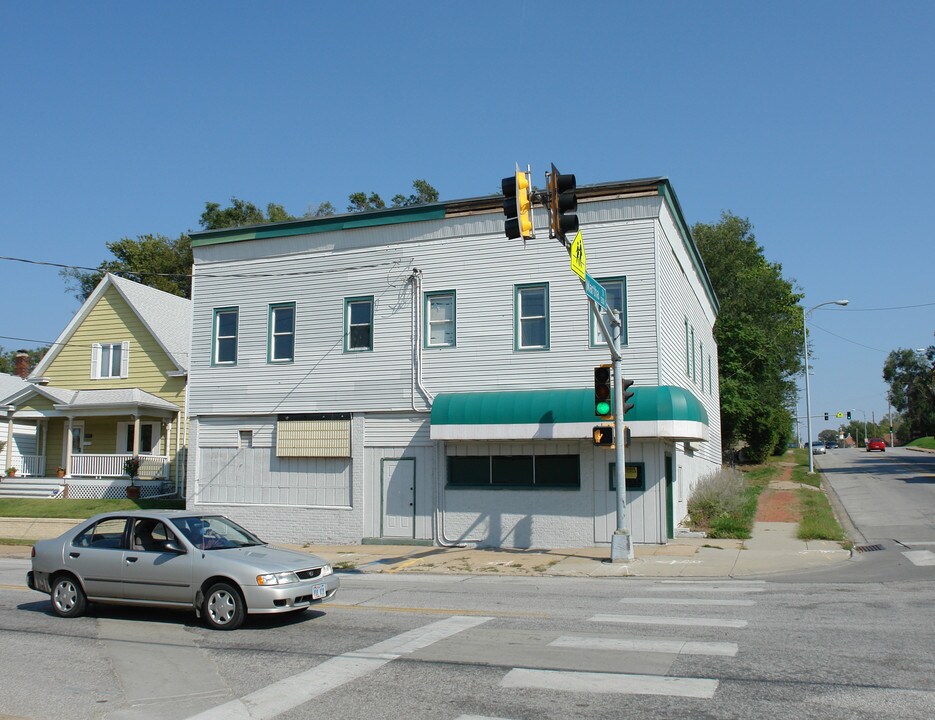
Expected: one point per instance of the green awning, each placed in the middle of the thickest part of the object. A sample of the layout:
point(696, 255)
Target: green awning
point(659, 412)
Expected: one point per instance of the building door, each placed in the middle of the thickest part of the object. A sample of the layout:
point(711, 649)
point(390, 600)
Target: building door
point(399, 483)
point(670, 500)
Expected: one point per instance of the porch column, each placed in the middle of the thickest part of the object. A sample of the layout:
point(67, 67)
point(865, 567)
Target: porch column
point(9, 442)
point(67, 440)
point(43, 434)
point(166, 453)
point(136, 435)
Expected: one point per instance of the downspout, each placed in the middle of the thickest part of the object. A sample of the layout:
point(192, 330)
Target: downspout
point(416, 281)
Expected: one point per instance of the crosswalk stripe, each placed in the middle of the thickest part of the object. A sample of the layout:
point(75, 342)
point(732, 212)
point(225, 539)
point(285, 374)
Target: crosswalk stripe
point(708, 602)
point(282, 696)
point(708, 588)
point(920, 557)
point(659, 620)
point(671, 646)
point(590, 682)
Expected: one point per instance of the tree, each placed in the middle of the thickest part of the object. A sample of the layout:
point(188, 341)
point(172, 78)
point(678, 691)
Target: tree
point(241, 213)
point(759, 336)
point(424, 193)
point(828, 436)
point(154, 260)
point(911, 377)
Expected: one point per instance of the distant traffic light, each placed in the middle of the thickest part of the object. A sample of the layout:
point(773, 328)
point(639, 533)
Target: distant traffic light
point(517, 206)
point(603, 435)
point(603, 384)
point(848, 414)
point(826, 416)
point(627, 394)
point(563, 202)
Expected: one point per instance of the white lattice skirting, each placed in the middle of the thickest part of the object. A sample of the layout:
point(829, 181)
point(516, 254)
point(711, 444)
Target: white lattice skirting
point(109, 490)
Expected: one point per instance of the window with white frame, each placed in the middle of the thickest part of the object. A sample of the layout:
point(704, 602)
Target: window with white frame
point(225, 336)
point(617, 299)
point(358, 324)
point(110, 360)
point(532, 317)
point(282, 333)
point(440, 319)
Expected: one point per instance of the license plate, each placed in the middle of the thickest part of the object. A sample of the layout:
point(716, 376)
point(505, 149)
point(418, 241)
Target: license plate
point(319, 591)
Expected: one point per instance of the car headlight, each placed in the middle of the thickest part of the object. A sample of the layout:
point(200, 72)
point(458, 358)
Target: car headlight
point(283, 578)
point(326, 570)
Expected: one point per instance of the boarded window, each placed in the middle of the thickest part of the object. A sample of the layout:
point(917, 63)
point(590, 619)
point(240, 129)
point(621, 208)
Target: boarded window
point(313, 437)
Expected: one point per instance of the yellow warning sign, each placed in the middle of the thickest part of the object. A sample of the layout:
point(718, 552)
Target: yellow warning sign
point(578, 259)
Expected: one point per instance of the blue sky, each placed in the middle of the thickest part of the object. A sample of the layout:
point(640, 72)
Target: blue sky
point(813, 120)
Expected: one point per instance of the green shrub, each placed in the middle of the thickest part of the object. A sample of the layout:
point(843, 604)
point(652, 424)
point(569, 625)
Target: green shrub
point(716, 495)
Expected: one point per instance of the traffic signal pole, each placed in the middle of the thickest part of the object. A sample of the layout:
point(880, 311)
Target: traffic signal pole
point(621, 544)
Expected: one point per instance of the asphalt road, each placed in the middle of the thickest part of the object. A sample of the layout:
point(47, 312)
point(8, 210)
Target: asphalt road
point(852, 642)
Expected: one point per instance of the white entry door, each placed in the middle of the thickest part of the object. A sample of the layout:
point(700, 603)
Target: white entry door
point(399, 485)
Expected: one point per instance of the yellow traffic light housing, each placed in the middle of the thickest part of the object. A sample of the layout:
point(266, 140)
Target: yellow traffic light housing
point(517, 206)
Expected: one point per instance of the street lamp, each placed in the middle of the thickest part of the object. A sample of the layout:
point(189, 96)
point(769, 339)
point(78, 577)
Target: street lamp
point(808, 399)
point(865, 425)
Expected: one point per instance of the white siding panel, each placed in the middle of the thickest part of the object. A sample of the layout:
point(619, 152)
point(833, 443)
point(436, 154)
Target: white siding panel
point(224, 432)
point(396, 430)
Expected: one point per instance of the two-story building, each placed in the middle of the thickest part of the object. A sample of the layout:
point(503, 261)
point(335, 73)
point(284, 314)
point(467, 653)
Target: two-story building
point(410, 374)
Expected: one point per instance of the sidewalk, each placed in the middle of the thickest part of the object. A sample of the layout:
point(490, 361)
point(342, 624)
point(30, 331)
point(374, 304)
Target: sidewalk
point(772, 549)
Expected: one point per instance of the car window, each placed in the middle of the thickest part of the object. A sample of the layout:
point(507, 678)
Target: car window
point(151, 535)
point(108, 533)
point(215, 532)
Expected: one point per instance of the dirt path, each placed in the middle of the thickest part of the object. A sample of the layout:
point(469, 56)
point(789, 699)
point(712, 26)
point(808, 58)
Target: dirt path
point(778, 503)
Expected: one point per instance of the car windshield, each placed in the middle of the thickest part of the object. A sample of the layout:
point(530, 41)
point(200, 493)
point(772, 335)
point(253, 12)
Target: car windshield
point(215, 532)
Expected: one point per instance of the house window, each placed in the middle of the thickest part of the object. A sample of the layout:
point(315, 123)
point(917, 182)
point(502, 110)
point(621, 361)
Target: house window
point(532, 317)
point(440, 319)
point(514, 471)
point(246, 439)
point(225, 336)
point(710, 386)
point(282, 333)
point(688, 360)
point(701, 363)
point(358, 324)
point(149, 437)
point(635, 477)
point(694, 377)
point(110, 360)
point(616, 298)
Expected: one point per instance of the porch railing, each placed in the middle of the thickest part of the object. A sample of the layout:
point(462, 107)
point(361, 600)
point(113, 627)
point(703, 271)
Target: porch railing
point(32, 465)
point(105, 466)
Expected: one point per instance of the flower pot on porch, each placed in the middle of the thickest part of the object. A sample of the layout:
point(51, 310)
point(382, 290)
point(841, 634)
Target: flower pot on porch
point(133, 492)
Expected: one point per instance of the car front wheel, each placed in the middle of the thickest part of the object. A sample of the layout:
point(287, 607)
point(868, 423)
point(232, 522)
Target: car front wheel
point(223, 607)
point(68, 598)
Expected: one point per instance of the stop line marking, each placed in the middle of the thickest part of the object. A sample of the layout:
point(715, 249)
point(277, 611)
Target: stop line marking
point(659, 620)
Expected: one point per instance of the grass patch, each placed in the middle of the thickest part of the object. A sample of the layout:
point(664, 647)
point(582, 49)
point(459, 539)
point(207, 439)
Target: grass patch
point(923, 442)
point(818, 520)
point(78, 509)
point(724, 503)
point(16, 541)
point(345, 565)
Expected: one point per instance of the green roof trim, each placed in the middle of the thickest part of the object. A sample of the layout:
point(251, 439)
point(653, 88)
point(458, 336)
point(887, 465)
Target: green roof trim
point(309, 226)
point(524, 407)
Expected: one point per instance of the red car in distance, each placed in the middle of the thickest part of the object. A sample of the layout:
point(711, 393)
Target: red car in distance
point(876, 444)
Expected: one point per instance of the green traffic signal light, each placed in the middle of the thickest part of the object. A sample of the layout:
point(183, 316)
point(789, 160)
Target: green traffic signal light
point(602, 391)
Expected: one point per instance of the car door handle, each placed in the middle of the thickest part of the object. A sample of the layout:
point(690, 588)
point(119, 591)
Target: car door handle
point(132, 559)
point(74, 555)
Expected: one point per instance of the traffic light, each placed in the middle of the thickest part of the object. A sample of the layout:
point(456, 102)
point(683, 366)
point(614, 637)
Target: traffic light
point(517, 206)
point(603, 383)
point(563, 202)
point(848, 414)
point(826, 416)
point(627, 394)
point(603, 435)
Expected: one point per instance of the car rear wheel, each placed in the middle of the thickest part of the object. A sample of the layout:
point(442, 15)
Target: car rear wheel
point(68, 599)
point(223, 607)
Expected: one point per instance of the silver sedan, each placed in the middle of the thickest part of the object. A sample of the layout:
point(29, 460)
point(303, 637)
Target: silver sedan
point(176, 559)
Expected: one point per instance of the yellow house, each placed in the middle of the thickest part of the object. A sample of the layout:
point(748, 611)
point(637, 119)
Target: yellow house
point(111, 388)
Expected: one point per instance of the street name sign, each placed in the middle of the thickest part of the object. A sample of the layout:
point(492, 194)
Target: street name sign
point(594, 290)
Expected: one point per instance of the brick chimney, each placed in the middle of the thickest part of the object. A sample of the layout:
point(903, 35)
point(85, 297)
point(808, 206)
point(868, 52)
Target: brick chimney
point(21, 364)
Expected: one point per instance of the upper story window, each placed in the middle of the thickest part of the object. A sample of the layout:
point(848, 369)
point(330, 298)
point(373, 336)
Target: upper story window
point(440, 319)
point(110, 360)
point(617, 299)
point(531, 309)
point(688, 359)
point(225, 336)
point(694, 374)
point(281, 333)
point(358, 324)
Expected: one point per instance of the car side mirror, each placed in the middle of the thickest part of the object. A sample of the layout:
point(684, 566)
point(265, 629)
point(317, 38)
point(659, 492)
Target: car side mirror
point(173, 547)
